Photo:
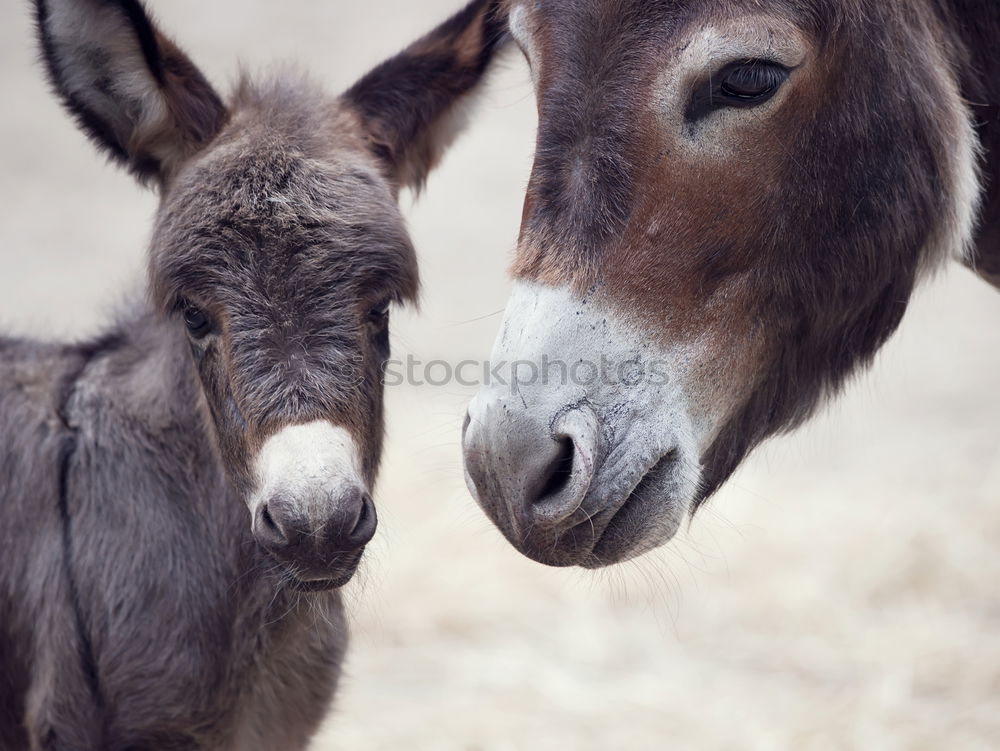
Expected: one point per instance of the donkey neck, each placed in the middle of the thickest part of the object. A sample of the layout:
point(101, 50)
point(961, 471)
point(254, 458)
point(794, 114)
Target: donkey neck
point(137, 386)
point(143, 364)
point(975, 27)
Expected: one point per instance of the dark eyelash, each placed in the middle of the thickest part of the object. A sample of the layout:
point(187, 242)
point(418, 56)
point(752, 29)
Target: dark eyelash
point(739, 85)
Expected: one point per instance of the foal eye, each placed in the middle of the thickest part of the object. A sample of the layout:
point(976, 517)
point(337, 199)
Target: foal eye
point(743, 84)
point(379, 315)
point(197, 321)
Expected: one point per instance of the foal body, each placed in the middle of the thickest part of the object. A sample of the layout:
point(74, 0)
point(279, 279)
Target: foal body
point(137, 611)
point(182, 497)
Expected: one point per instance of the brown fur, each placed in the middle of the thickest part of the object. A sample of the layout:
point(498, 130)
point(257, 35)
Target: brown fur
point(788, 245)
point(727, 247)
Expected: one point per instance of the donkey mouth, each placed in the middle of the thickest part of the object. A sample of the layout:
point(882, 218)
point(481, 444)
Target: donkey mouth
point(320, 585)
point(333, 577)
point(615, 531)
point(649, 517)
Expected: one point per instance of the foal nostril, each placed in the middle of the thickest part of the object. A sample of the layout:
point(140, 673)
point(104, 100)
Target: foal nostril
point(275, 529)
point(268, 523)
point(352, 521)
point(364, 528)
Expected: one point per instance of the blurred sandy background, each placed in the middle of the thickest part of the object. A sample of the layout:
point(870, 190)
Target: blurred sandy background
point(841, 593)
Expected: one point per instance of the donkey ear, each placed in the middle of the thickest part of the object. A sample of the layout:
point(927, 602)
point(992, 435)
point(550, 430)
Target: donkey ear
point(128, 87)
point(409, 103)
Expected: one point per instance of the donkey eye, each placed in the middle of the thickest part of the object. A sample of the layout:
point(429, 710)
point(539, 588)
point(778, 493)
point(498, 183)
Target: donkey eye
point(199, 325)
point(379, 315)
point(752, 81)
point(743, 84)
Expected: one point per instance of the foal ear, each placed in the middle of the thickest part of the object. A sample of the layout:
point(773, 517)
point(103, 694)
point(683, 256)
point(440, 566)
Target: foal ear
point(128, 87)
point(409, 103)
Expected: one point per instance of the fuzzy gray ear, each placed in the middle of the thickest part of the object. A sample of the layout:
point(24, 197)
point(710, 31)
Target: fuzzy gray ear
point(129, 88)
point(410, 104)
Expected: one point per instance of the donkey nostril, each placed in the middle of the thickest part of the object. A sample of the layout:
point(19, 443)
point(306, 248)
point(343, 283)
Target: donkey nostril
point(364, 528)
point(268, 531)
point(558, 473)
point(268, 520)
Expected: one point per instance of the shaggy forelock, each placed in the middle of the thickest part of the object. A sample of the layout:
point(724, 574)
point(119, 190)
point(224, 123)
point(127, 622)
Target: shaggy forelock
point(288, 237)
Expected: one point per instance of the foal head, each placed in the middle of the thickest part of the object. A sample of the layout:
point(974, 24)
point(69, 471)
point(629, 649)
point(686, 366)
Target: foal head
point(278, 248)
point(730, 204)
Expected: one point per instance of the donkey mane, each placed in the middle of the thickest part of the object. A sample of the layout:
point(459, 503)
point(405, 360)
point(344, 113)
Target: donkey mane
point(291, 101)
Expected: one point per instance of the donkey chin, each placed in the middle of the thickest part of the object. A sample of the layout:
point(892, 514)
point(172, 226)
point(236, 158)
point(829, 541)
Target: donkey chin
point(312, 510)
point(588, 454)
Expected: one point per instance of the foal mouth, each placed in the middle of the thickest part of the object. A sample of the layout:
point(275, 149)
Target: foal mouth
point(318, 585)
point(308, 581)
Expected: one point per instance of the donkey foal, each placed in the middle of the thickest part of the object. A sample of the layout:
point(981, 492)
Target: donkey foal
point(141, 605)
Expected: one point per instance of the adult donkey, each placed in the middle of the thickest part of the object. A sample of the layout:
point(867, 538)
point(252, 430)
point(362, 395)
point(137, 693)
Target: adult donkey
point(730, 205)
point(141, 605)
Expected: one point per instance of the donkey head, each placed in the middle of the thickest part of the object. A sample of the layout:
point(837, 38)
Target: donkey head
point(278, 247)
point(730, 204)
